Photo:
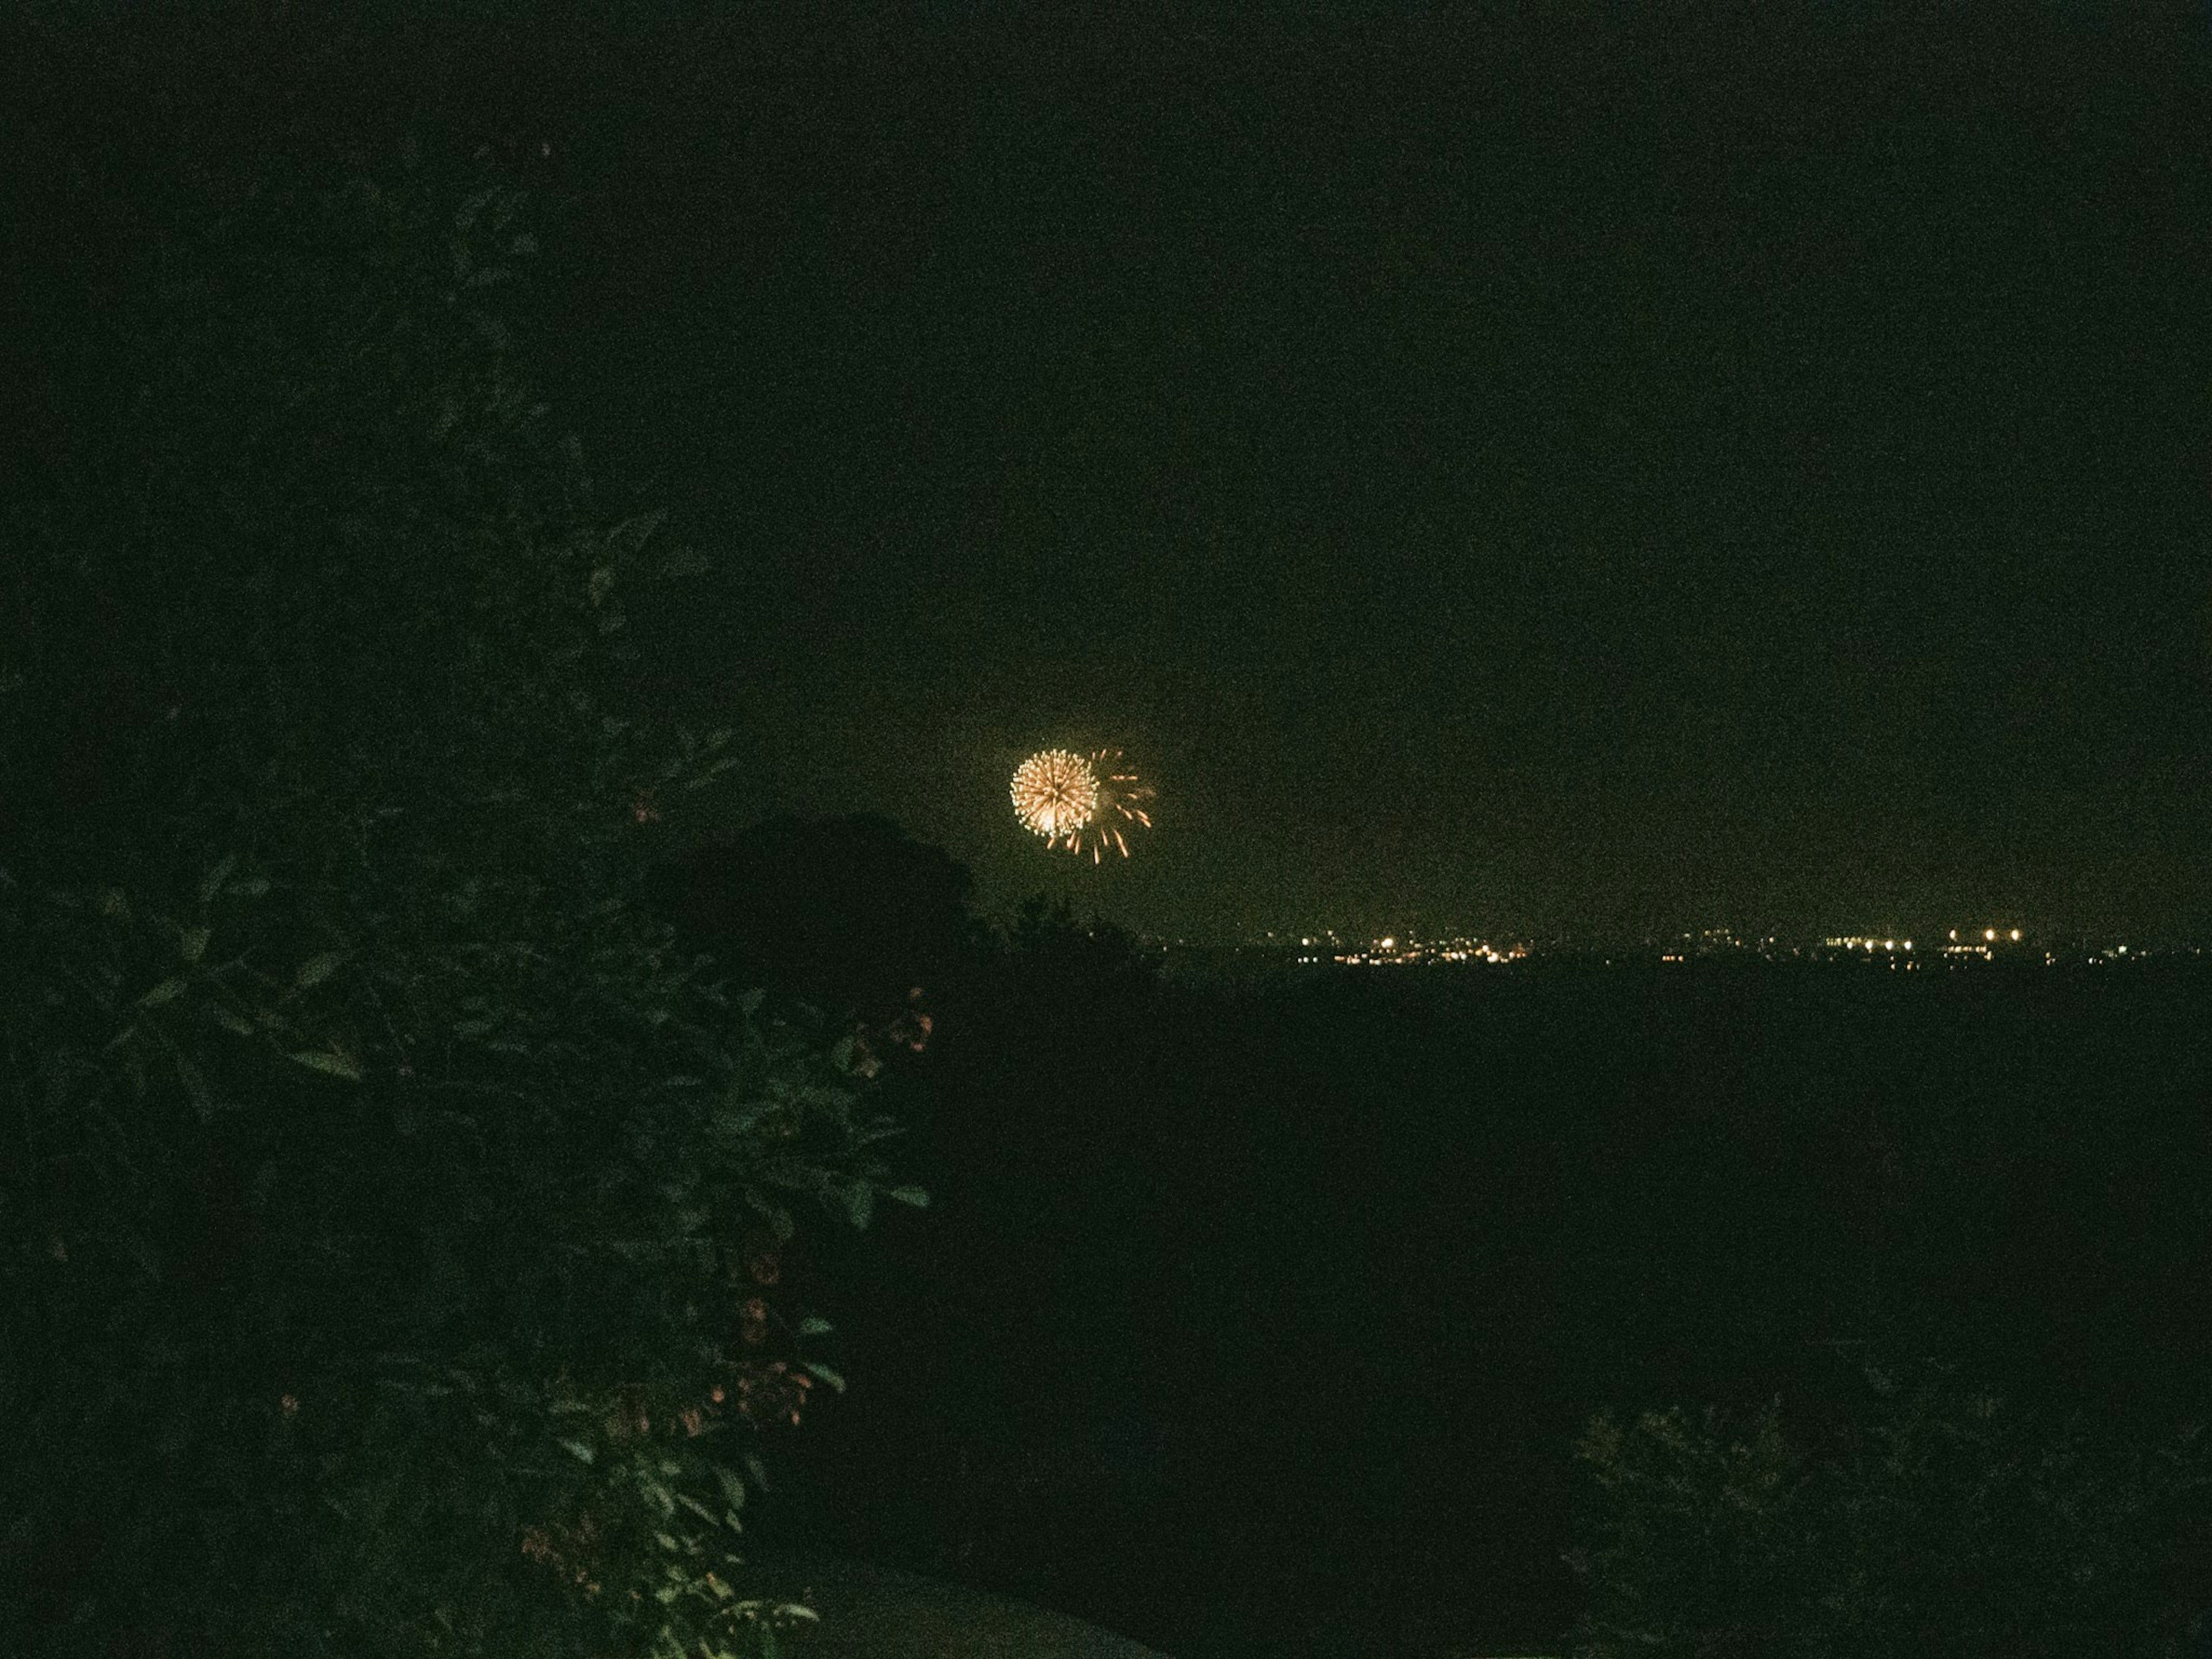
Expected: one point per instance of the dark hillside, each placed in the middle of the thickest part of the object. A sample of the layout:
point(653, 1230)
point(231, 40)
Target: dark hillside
point(1305, 1294)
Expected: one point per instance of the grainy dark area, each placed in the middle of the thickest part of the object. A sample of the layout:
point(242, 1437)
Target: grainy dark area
point(1318, 1337)
point(1323, 829)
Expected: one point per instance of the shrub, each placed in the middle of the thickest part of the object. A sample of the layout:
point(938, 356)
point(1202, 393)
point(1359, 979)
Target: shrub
point(1941, 1520)
point(392, 1210)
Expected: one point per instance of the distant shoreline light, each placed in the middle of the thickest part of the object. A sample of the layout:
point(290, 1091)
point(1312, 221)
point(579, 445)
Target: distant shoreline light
point(1322, 948)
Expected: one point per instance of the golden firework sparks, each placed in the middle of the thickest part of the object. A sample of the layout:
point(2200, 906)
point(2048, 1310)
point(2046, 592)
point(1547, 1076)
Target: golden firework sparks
point(1074, 802)
point(1055, 794)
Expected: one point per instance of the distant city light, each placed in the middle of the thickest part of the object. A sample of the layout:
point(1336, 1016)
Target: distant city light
point(1405, 952)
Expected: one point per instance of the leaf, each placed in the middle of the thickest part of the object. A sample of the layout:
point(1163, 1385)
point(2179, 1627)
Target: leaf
point(189, 1075)
point(251, 887)
point(860, 1203)
point(712, 772)
point(215, 879)
point(753, 1467)
point(194, 944)
point(828, 1376)
point(317, 968)
point(166, 991)
point(733, 1488)
point(229, 1020)
point(914, 1195)
point(330, 1061)
point(633, 533)
point(813, 1325)
point(684, 562)
point(580, 1450)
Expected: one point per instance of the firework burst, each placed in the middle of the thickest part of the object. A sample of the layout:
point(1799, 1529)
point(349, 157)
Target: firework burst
point(1055, 794)
point(1080, 803)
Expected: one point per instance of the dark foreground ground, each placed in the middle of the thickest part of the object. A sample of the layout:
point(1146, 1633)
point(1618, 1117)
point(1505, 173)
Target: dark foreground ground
point(868, 1612)
point(1264, 1322)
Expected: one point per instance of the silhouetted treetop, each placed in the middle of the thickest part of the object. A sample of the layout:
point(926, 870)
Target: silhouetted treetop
point(849, 913)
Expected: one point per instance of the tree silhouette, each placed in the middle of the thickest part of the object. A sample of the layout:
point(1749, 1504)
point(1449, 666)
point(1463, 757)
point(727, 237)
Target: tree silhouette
point(850, 913)
point(389, 1210)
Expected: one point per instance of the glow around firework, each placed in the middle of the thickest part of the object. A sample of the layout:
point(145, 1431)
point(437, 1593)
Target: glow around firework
point(1078, 803)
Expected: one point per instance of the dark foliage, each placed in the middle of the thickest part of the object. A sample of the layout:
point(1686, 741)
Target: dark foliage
point(1938, 1519)
point(392, 1212)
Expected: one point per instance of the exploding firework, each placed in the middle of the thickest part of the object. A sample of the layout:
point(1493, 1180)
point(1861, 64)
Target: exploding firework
point(1055, 794)
point(1079, 803)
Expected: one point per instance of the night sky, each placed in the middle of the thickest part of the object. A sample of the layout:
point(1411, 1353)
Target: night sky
point(1633, 467)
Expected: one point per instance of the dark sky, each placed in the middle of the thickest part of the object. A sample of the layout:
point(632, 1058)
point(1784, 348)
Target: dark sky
point(1551, 468)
